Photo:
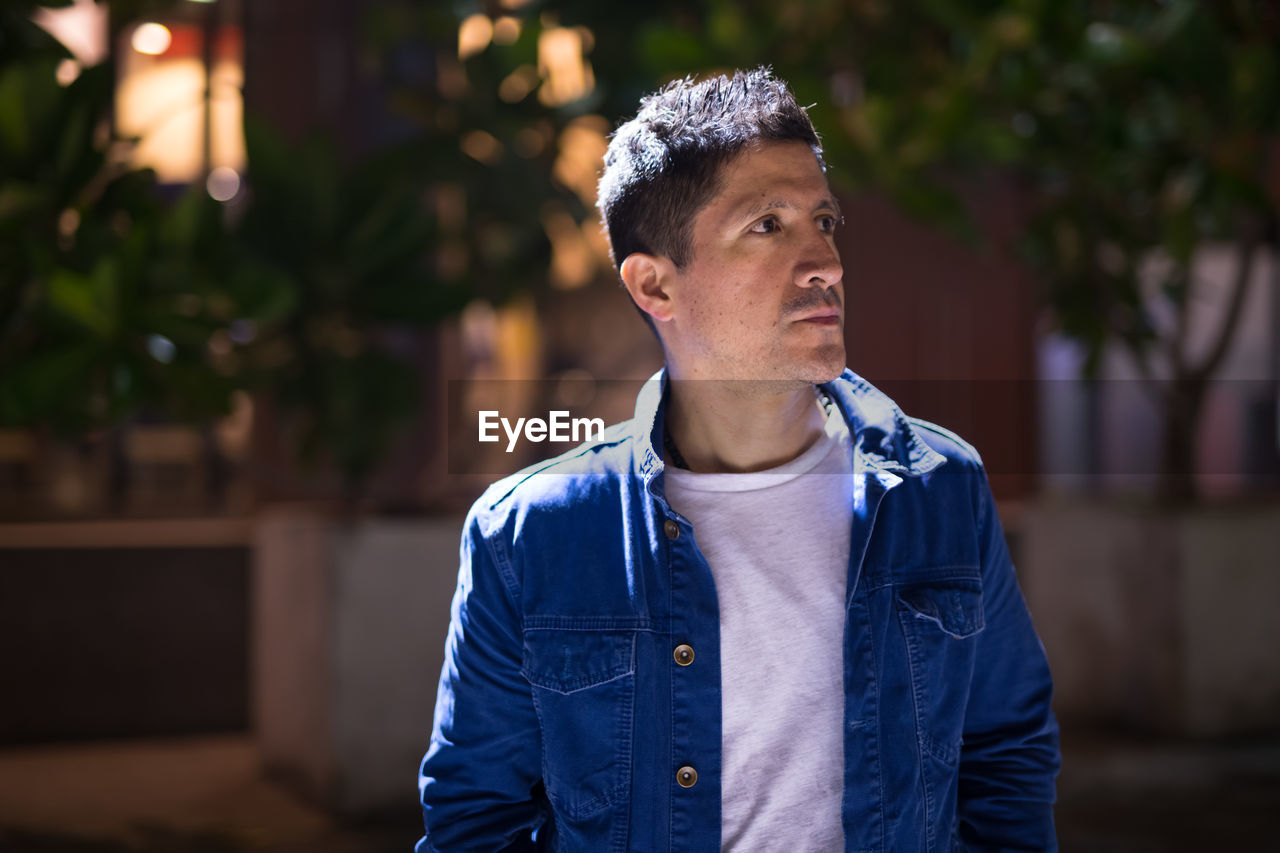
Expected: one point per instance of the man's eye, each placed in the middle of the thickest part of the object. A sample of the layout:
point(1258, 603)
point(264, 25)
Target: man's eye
point(765, 226)
point(829, 223)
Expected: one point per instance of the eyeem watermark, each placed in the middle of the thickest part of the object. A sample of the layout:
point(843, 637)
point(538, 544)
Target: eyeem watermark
point(558, 427)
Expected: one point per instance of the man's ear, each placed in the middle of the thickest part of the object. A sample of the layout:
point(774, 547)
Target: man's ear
point(649, 280)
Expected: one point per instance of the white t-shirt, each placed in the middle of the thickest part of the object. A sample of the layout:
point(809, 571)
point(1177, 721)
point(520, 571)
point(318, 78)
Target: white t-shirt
point(777, 542)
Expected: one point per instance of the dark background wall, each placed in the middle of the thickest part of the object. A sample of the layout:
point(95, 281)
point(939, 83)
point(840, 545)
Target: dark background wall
point(946, 327)
point(115, 642)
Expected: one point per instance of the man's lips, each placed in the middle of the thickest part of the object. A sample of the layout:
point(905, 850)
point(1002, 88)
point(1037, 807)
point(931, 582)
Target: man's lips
point(826, 317)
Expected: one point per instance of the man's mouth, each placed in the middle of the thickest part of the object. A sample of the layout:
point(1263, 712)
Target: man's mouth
point(825, 317)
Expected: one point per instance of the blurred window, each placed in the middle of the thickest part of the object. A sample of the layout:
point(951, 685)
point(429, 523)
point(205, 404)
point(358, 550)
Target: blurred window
point(179, 91)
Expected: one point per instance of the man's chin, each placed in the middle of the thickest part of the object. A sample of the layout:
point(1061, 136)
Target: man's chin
point(811, 371)
point(826, 366)
point(814, 374)
point(781, 372)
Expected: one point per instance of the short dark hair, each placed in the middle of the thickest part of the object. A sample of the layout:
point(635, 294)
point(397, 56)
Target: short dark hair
point(663, 166)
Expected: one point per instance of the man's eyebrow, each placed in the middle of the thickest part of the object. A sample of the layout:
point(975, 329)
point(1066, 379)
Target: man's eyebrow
point(779, 204)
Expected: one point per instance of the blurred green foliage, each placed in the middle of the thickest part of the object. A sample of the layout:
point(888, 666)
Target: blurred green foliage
point(119, 301)
point(1140, 125)
point(108, 295)
point(489, 210)
point(334, 279)
point(1142, 131)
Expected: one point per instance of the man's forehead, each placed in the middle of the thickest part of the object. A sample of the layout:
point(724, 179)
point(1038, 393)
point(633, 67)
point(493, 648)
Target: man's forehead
point(771, 176)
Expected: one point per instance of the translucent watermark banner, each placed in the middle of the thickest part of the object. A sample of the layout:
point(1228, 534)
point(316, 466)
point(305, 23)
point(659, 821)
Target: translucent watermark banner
point(498, 426)
point(1062, 431)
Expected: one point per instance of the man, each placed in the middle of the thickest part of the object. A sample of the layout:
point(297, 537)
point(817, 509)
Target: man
point(770, 612)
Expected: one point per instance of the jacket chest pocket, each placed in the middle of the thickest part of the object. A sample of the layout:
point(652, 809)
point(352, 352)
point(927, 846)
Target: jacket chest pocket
point(584, 691)
point(940, 622)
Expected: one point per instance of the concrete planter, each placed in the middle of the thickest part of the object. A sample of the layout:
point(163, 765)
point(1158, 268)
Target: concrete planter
point(1158, 619)
point(349, 622)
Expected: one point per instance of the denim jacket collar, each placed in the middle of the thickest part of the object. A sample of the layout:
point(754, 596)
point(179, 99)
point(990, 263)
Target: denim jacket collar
point(884, 437)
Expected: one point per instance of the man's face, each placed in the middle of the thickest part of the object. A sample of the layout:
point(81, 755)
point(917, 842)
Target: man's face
point(762, 297)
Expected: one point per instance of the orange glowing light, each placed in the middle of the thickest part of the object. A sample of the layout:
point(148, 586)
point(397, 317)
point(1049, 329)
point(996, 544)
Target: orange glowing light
point(151, 38)
point(67, 72)
point(572, 261)
point(474, 35)
point(517, 85)
point(566, 74)
point(506, 30)
point(582, 147)
point(481, 146)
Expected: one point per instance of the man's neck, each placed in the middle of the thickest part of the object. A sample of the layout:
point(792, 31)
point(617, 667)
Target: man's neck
point(736, 426)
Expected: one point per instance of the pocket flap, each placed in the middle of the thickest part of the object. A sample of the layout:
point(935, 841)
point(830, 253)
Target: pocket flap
point(954, 606)
point(570, 660)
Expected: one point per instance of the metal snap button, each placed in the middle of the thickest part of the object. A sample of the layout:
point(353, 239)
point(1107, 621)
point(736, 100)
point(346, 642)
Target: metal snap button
point(672, 529)
point(686, 777)
point(684, 654)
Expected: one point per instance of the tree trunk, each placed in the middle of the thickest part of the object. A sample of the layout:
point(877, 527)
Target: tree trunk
point(1183, 409)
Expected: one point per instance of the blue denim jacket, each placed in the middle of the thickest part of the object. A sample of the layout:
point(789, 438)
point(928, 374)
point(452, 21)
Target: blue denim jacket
point(563, 719)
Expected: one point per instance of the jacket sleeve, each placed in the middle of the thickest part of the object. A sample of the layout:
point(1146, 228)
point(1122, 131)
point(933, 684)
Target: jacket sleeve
point(1010, 754)
point(480, 779)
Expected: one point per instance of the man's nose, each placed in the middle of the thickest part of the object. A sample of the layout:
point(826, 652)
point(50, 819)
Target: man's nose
point(820, 265)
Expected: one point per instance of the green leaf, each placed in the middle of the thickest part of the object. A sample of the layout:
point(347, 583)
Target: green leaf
point(15, 126)
point(665, 46)
point(80, 298)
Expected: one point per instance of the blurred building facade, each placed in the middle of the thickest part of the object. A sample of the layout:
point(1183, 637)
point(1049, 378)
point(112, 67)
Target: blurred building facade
point(141, 540)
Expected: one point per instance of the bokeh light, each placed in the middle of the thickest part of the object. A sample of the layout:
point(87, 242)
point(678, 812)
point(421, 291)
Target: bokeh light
point(223, 183)
point(152, 39)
